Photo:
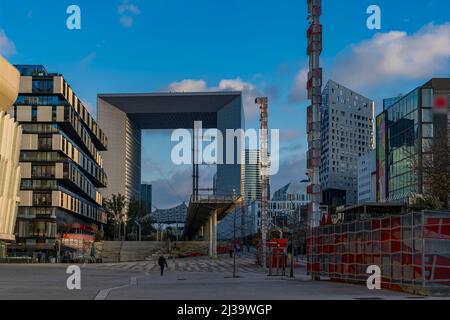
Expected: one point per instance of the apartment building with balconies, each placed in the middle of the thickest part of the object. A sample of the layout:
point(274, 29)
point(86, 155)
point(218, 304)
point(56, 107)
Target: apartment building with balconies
point(61, 166)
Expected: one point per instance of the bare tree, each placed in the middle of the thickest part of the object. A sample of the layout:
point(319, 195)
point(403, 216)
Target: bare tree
point(115, 209)
point(434, 169)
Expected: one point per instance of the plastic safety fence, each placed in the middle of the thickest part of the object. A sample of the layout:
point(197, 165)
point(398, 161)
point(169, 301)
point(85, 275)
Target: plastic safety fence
point(412, 251)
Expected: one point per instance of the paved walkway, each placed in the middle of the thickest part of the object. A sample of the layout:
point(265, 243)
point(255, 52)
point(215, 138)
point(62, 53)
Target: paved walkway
point(186, 279)
point(245, 263)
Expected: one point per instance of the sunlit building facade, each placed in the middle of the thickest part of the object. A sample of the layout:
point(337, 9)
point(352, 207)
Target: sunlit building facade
point(61, 167)
point(10, 139)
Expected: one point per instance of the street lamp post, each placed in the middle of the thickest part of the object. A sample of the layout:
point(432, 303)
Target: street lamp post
point(293, 221)
point(140, 229)
point(234, 238)
point(234, 246)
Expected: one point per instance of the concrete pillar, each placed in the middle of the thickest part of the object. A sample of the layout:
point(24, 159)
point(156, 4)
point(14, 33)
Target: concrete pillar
point(214, 237)
point(210, 235)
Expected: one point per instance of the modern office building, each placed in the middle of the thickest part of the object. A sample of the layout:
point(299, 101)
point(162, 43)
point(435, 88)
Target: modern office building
point(346, 134)
point(124, 116)
point(405, 129)
point(367, 177)
point(146, 197)
point(288, 203)
point(60, 162)
point(253, 177)
point(10, 140)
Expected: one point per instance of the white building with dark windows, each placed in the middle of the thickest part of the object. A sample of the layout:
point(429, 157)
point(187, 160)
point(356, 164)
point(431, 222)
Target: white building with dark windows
point(252, 175)
point(367, 177)
point(253, 180)
point(347, 122)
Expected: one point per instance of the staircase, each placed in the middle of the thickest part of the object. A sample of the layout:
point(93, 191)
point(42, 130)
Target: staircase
point(187, 248)
point(127, 251)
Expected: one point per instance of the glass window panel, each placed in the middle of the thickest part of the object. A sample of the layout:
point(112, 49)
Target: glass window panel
point(426, 145)
point(427, 115)
point(427, 130)
point(427, 98)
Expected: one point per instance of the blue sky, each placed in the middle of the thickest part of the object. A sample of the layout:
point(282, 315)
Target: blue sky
point(255, 45)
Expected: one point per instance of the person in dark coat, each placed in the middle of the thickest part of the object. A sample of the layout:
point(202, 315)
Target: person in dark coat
point(162, 263)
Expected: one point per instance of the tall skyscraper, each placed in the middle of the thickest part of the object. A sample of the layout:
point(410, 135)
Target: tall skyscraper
point(346, 133)
point(406, 130)
point(146, 197)
point(253, 175)
point(61, 167)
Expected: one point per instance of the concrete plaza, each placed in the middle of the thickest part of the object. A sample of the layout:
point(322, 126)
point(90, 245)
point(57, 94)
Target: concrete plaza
point(185, 279)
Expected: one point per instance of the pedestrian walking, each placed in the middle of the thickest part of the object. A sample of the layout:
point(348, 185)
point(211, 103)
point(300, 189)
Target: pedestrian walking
point(162, 263)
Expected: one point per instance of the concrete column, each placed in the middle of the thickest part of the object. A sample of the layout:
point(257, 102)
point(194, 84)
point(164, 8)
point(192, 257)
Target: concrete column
point(214, 234)
point(210, 235)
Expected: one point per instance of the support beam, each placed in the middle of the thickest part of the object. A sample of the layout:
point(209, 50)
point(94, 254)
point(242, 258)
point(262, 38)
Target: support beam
point(214, 234)
point(210, 235)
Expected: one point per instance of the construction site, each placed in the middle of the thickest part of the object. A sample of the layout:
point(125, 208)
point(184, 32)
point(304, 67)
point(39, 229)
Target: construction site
point(412, 251)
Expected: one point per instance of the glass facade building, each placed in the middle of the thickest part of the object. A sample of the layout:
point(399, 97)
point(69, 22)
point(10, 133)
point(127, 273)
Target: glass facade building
point(60, 162)
point(146, 197)
point(405, 128)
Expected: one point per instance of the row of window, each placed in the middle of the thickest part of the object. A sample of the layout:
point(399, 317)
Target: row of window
point(66, 113)
point(42, 85)
point(41, 184)
point(83, 134)
point(82, 160)
point(83, 114)
point(35, 229)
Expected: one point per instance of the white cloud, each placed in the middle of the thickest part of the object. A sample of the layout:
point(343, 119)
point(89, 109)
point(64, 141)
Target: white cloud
point(290, 134)
point(88, 59)
point(249, 91)
point(298, 90)
point(188, 85)
point(395, 55)
point(126, 21)
point(126, 6)
point(7, 46)
point(126, 11)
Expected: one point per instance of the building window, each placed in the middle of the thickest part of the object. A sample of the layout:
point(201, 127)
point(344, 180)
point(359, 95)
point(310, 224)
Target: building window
point(34, 113)
point(45, 143)
point(43, 171)
point(42, 86)
point(42, 199)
